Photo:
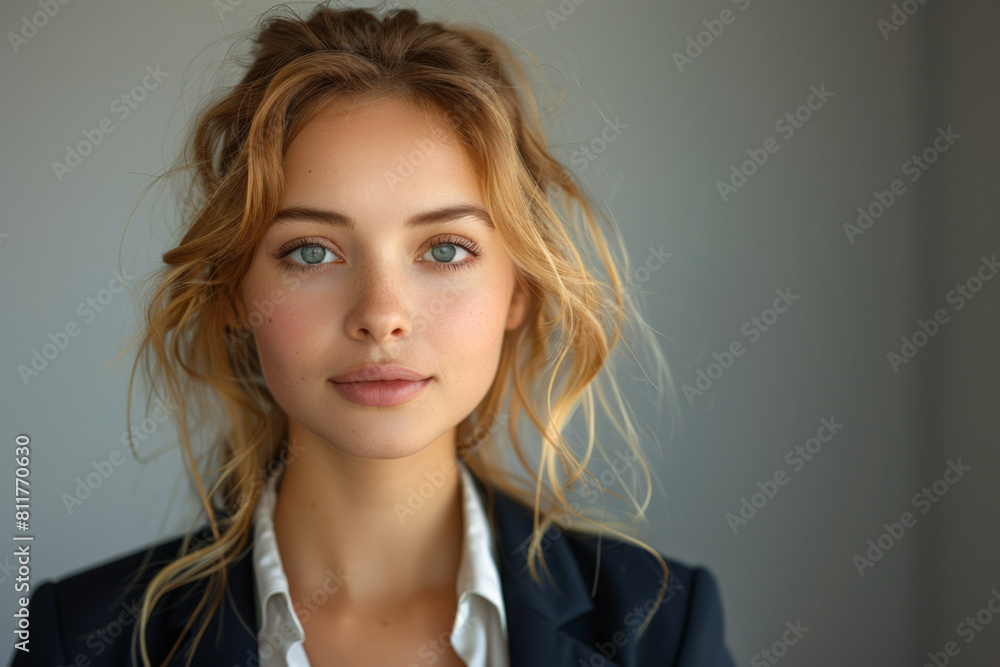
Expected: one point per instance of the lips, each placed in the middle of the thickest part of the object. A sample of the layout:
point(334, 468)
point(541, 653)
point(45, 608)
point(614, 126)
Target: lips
point(380, 386)
point(380, 373)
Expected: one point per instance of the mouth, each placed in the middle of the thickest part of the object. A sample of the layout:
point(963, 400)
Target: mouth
point(381, 393)
point(380, 373)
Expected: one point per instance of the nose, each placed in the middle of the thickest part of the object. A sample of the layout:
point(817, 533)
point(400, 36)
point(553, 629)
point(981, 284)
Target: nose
point(380, 312)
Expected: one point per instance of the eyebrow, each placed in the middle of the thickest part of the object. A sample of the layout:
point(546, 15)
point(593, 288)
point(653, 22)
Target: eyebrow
point(439, 215)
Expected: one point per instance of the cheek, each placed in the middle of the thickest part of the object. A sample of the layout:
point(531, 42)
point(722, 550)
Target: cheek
point(286, 341)
point(470, 329)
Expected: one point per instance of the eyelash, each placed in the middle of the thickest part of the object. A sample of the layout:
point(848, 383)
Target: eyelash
point(473, 248)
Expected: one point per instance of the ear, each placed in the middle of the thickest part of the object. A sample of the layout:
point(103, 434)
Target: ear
point(518, 304)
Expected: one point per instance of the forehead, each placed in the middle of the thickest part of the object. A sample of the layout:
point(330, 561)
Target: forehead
point(387, 158)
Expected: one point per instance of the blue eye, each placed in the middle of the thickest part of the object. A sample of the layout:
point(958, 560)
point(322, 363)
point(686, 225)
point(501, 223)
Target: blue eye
point(311, 254)
point(444, 250)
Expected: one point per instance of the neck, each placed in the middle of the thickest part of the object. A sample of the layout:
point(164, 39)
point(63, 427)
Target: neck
point(369, 530)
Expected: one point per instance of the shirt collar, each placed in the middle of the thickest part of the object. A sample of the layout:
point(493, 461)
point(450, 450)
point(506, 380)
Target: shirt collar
point(477, 571)
point(270, 583)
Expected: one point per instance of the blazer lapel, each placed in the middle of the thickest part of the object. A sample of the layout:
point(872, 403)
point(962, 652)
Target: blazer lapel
point(226, 640)
point(537, 615)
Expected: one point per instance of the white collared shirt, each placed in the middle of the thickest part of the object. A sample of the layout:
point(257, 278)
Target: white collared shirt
point(478, 636)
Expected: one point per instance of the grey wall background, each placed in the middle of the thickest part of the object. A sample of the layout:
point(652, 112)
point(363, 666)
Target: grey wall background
point(682, 131)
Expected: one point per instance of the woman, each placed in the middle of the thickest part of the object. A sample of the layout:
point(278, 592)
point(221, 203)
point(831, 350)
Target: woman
point(375, 282)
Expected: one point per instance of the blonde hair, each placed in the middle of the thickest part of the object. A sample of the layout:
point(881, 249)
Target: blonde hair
point(550, 365)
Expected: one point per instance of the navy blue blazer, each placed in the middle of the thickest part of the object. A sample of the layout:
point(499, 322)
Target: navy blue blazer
point(86, 620)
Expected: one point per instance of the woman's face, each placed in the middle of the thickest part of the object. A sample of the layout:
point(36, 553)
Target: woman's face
point(382, 274)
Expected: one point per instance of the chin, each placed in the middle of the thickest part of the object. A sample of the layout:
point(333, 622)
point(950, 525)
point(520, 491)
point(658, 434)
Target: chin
point(375, 445)
point(380, 452)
